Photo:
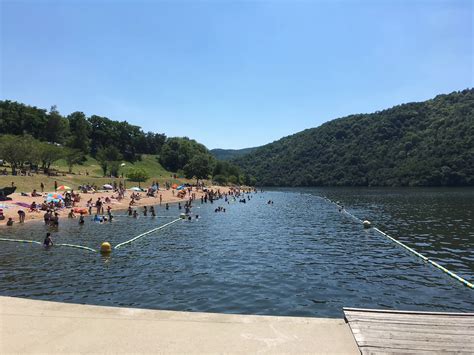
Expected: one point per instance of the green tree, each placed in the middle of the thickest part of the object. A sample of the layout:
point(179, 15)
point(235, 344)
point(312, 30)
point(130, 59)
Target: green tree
point(49, 153)
point(177, 152)
point(107, 156)
point(199, 166)
point(114, 168)
point(233, 179)
point(57, 127)
point(138, 175)
point(73, 157)
point(80, 130)
point(219, 179)
point(16, 150)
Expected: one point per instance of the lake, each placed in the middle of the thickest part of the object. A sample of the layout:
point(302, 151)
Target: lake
point(298, 256)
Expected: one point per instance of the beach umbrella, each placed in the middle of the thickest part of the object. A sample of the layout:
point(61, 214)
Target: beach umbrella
point(136, 189)
point(54, 197)
point(174, 186)
point(64, 188)
point(180, 187)
point(107, 187)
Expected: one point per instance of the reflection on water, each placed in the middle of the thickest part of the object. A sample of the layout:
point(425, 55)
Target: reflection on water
point(299, 256)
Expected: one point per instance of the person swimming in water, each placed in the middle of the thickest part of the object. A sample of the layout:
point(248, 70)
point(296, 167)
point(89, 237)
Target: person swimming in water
point(135, 214)
point(48, 241)
point(81, 218)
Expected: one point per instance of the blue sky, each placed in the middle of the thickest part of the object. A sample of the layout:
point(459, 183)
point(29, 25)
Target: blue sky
point(232, 74)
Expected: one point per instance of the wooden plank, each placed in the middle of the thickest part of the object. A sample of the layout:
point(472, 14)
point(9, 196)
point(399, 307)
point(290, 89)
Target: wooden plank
point(410, 320)
point(414, 323)
point(398, 351)
point(406, 325)
point(368, 310)
point(409, 332)
point(426, 340)
point(403, 335)
point(433, 329)
point(434, 318)
point(402, 315)
point(425, 346)
point(369, 328)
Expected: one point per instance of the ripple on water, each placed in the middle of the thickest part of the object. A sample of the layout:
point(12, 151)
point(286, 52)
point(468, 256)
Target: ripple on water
point(299, 256)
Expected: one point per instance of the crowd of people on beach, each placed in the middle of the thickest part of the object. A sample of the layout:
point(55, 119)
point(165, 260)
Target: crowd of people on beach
point(100, 210)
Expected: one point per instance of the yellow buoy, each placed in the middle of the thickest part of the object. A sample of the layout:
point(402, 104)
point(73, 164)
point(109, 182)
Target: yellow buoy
point(105, 248)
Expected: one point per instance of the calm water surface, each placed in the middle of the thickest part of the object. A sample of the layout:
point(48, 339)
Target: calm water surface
point(299, 256)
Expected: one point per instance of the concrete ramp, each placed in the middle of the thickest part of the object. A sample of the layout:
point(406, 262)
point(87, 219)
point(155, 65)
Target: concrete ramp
point(29, 326)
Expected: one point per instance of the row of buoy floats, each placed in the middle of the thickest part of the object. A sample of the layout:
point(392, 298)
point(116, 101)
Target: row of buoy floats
point(367, 225)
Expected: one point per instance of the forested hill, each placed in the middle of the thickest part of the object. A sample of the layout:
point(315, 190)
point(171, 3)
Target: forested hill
point(228, 154)
point(33, 139)
point(427, 143)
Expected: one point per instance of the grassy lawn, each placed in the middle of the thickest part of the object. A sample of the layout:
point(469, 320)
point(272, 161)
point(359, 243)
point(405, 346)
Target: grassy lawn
point(79, 177)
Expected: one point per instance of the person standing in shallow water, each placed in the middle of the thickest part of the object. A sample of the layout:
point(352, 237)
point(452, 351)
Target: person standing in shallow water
point(54, 221)
point(152, 211)
point(48, 241)
point(145, 211)
point(21, 216)
point(98, 205)
point(47, 217)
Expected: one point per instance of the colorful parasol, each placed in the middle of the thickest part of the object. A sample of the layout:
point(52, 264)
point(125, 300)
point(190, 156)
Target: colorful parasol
point(54, 197)
point(63, 188)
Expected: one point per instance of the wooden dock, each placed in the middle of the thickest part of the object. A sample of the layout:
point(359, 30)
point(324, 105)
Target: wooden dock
point(403, 332)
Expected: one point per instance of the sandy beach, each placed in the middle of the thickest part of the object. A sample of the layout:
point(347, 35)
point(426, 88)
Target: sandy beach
point(11, 208)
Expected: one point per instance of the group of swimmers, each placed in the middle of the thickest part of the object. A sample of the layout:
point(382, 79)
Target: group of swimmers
point(51, 218)
point(133, 213)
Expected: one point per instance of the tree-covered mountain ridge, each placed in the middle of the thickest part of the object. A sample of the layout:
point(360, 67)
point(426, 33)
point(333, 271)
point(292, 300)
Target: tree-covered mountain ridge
point(228, 154)
point(428, 143)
